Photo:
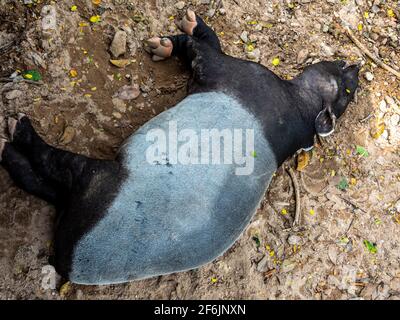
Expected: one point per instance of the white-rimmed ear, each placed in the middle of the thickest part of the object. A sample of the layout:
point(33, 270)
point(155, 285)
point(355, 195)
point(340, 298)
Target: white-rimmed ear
point(325, 122)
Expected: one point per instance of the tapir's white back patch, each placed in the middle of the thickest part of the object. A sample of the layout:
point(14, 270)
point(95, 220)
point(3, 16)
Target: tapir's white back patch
point(170, 217)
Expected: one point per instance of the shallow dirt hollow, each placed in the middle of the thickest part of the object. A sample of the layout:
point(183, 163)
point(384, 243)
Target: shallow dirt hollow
point(347, 246)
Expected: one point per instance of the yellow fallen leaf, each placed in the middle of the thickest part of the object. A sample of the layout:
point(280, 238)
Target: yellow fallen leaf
point(73, 73)
point(353, 181)
point(65, 289)
point(366, 14)
point(284, 211)
point(302, 160)
point(378, 130)
point(74, 8)
point(250, 47)
point(122, 63)
point(312, 212)
point(83, 24)
point(360, 27)
point(275, 61)
point(87, 95)
point(214, 280)
point(390, 13)
point(94, 19)
point(93, 88)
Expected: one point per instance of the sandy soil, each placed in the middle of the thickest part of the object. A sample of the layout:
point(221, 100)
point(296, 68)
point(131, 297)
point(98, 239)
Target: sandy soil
point(327, 256)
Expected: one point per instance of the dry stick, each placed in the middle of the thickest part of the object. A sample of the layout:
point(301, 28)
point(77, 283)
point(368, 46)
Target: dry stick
point(296, 187)
point(369, 54)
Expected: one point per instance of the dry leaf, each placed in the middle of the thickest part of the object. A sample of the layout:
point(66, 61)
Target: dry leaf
point(68, 135)
point(122, 63)
point(302, 160)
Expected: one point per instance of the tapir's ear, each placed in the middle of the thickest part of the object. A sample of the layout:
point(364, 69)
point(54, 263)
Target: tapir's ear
point(325, 122)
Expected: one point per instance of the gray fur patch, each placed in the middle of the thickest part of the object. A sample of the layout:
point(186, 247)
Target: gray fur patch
point(174, 217)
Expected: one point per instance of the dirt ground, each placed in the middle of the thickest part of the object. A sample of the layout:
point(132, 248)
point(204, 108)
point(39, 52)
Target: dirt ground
point(347, 246)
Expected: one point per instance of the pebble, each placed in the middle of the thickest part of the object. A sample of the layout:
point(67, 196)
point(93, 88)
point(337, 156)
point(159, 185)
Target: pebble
point(117, 115)
point(13, 94)
point(128, 92)
point(394, 120)
point(180, 5)
point(369, 76)
point(294, 240)
point(302, 56)
point(118, 45)
point(244, 36)
point(262, 266)
point(254, 55)
point(222, 11)
point(390, 101)
point(288, 265)
point(383, 106)
point(325, 28)
point(329, 51)
point(210, 13)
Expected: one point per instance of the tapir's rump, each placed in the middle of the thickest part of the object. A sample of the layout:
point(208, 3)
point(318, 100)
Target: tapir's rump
point(171, 216)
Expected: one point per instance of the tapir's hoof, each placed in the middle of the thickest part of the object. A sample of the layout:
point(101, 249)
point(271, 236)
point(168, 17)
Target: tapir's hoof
point(188, 22)
point(12, 125)
point(2, 145)
point(160, 48)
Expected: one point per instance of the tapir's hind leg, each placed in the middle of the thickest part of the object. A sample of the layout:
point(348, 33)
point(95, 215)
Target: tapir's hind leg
point(180, 45)
point(60, 167)
point(24, 175)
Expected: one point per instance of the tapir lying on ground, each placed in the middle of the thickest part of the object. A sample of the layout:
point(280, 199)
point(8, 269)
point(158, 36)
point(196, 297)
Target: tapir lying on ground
point(167, 203)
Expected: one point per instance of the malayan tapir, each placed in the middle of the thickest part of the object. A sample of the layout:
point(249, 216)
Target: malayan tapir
point(168, 202)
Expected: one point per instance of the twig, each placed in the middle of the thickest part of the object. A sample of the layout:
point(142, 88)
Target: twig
point(296, 187)
point(378, 61)
point(354, 204)
point(366, 118)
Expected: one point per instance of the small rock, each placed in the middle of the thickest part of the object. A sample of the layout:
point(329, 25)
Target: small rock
point(329, 51)
point(262, 266)
point(369, 76)
point(383, 106)
point(180, 5)
point(222, 11)
point(394, 120)
point(13, 94)
point(288, 265)
point(302, 56)
point(210, 13)
point(375, 8)
point(117, 115)
point(390, 101)
point(325, 28)
point(128, 92)
point(294, 240)
point(244, 36)
point(254, 55)
point(332, 253)
point(118, 45)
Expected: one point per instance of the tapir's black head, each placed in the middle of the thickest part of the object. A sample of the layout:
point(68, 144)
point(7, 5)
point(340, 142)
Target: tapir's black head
point(335, 84)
